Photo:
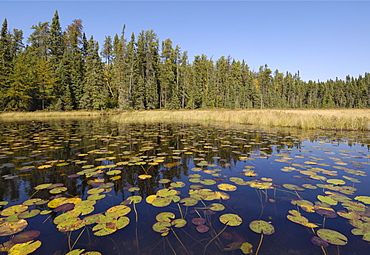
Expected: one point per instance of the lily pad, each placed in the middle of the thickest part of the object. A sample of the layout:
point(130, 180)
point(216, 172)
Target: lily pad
point(165, 216)
point(293, 187)
point(65, 207)
point(15, 209)
point(198, 221)
point(332, 236)
point(178, 223)
point(202, 228)
point(11, 228)
point(319, 242)
point(24, 248)
point(26, 236)
point(226, 187)
point(231, 219)
point(161, 226)
point(189, 201)
point(262, 227)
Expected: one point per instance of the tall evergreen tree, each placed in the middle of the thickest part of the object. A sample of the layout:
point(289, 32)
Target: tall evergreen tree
point(94, 96)
point(56, 41)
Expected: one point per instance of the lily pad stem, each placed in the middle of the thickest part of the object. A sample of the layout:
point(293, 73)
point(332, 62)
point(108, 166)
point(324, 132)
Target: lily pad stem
point(205, 248)
point(323, 250)
point(323, 222)
point(137, 217)
point(178, 239)
point(169, 243)
point(75, 242)
point(178, 205)
point(259, 245)
point(34, 193)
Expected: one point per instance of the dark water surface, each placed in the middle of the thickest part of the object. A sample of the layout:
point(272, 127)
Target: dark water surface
point(122, 163)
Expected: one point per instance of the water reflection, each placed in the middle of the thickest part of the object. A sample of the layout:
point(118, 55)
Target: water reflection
point(35, 152)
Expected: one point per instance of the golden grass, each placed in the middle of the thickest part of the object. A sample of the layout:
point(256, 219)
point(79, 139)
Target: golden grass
point(9, 116)
point(330, 119)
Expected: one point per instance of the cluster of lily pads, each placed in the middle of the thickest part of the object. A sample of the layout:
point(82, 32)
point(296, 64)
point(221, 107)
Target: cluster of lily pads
point(187, 173)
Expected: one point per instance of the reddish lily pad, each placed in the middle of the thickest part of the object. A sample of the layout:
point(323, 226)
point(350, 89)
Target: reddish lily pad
point(319, 242)
point(64, 207)
point(198, 221)
point(327, 213)
point(202, 228)
point(26, 236)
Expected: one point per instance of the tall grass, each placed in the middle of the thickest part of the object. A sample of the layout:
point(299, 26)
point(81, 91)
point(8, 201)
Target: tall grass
point(9, 116)
point(329, 119)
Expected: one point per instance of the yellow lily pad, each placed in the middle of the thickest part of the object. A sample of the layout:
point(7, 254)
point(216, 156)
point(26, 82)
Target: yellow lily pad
point(24, 248)
point(226, 187)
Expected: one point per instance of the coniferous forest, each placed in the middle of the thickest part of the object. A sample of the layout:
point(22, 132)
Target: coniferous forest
point(62, 69)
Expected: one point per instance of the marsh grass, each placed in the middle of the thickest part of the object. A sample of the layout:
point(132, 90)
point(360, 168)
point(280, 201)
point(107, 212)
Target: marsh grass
point(327, 119)
point(10, 116)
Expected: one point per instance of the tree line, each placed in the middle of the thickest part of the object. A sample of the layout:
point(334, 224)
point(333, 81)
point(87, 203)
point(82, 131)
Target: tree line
point(63, 70)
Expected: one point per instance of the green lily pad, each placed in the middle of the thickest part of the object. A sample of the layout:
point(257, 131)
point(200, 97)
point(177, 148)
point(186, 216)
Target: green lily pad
point(161, 226)
point(66, 216)
point(293, 187)
point(71, 224)
point(246, 248)
point(332, 236)
point(43, 186)
point(178, 184)
point(31, 201)
point(135, 199)
point(95, 191)
point(178, 223)
point(165, 216)
point(164, 181)
point(217, 207)
point(24, 248)
point(208, 182)
point(96, 197)
point(118, 211)
point(189, 201)
point(262, 227)
point(231, 219)
point(161, 201)
point(29, 214)
point(166, 192)
point(327, 199)
point(58, 190)
point(15, 209)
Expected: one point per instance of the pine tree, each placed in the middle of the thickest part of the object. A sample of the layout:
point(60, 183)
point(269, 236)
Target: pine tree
point(56, 41)
point(94, 94)
point(6, 58)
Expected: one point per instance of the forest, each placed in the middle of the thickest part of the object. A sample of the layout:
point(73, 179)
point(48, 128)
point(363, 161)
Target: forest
point(63, 70)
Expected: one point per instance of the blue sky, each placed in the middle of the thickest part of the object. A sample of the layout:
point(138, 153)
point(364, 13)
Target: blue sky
point(323, 40)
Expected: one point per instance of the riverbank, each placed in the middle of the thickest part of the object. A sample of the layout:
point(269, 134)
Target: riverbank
point(328, 119)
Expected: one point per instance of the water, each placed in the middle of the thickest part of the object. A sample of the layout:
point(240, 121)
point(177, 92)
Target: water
point(39, 152)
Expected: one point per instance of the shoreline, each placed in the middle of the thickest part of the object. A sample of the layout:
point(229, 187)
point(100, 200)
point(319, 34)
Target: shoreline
point(324, 119)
